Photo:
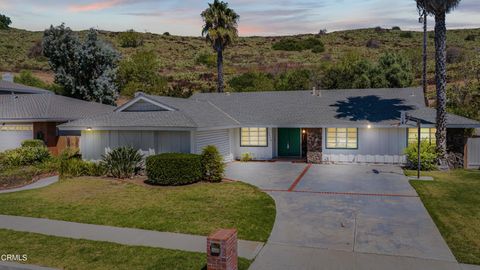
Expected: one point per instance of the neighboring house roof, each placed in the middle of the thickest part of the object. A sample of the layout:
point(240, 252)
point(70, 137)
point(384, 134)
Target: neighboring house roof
point(173, 113)
point(332, 108)
point(47, 107)
point(7, 87)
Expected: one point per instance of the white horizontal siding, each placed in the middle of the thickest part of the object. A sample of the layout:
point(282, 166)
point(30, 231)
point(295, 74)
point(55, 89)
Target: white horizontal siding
point(10, 139)
point(473, 153)
point(219, 138)
point(375, 145)
point(93, 144)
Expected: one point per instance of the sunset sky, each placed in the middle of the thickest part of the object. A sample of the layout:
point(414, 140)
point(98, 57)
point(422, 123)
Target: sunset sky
point(257, 17)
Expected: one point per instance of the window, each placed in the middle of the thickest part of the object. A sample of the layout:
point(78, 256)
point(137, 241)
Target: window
point(342, 138)
point(256, 137)
point(425, 134)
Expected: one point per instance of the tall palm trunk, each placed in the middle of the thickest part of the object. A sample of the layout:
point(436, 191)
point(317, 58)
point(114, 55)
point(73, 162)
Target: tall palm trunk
point(424, 73)
point(220, 70)
point(441, 81)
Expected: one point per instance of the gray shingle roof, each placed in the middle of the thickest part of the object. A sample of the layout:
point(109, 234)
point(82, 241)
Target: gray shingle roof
point(48, 107)
point(352, 107)
point(7, 87)
point(333, 108)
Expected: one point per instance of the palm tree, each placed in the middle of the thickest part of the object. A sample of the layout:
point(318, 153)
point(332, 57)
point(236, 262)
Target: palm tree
point(423, 19)
point(439, 9)
point(220, 30)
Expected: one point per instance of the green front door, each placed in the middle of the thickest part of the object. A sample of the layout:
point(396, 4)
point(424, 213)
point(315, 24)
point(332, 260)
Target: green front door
point(289, 142)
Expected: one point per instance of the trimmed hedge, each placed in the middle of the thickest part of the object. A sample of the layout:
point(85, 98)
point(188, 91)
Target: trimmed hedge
point(174, 169)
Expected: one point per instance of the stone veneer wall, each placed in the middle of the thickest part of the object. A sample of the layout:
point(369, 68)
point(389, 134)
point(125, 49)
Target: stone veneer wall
point(314, 145)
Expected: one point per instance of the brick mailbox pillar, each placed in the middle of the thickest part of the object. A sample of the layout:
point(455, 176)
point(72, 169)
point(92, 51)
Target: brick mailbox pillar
point(222, 250)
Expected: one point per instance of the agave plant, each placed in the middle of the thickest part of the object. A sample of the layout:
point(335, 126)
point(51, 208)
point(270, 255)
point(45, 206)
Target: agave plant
point(122, 162)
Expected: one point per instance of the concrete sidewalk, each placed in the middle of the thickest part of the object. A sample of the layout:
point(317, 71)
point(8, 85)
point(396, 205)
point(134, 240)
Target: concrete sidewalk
point(38, 184)
point(124, 236)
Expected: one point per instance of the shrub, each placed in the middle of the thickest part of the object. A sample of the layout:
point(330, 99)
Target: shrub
point(70, 153)
point(76, 167)
point(318, 49)
point(322, 32)
point(207, 59)
point(396, 28)
point(172, 169)
point(130, 39)
point(26, 156)
point(212, 163)
point(139, 72)
point(33, 143)
point(470, 38)
point(36, 50)
point(252, 81)
point(287, 44)
point(428, 156)
point(247, 156)
point(122, 162)
point(406, 34)
point(373, 44)
point(166, 34)
point(455, 55)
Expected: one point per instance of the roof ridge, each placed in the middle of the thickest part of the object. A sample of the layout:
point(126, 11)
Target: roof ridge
point(222, 111)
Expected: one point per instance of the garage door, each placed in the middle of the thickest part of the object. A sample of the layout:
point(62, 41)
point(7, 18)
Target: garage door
point(219, 138)
point(12, 136)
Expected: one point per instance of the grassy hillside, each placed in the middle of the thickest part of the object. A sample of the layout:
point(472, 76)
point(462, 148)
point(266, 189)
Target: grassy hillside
point(179, 55)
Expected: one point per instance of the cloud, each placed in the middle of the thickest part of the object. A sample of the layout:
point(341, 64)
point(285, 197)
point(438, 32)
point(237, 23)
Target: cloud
point(95, 6)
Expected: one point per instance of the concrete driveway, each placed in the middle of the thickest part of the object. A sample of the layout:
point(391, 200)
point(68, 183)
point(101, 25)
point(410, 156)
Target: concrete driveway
point(350, 209)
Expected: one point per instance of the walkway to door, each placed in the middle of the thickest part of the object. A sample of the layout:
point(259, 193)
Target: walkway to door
point(346, 211)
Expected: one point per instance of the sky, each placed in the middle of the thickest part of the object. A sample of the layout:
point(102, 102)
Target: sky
point(257, 17)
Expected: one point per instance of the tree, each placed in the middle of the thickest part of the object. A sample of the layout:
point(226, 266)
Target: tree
point(423, 19)
point(4, 22)
point(86, 70)
point(139, 72)
point(439, 9)
point(396, 69)
point(298, 79)
point(220, 30)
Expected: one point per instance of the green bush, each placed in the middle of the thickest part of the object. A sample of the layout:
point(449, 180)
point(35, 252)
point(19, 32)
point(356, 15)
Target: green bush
point(428, 156)
point(26, 156)
point(130, 39)
point(139, 72)
point(252, 81)
point(33, 143)
point(247, 156)
point(76, 167)
point(70, 153)
point(207, 59)
point(122, 162)
point(212, 163)
point(172, 169)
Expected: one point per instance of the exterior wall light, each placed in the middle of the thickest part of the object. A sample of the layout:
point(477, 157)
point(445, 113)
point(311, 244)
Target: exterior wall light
point(369, 126)
point(89, 128)
point(304, 131)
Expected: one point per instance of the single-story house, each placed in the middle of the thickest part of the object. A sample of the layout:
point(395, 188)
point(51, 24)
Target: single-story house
point(36, 116)
point(358, 125)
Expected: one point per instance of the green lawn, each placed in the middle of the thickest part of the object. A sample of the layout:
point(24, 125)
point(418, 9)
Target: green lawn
point(65, 253)
point(195, 209)
point(453, 201)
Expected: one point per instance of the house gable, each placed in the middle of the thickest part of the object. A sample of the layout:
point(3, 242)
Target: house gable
point(143, 104)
